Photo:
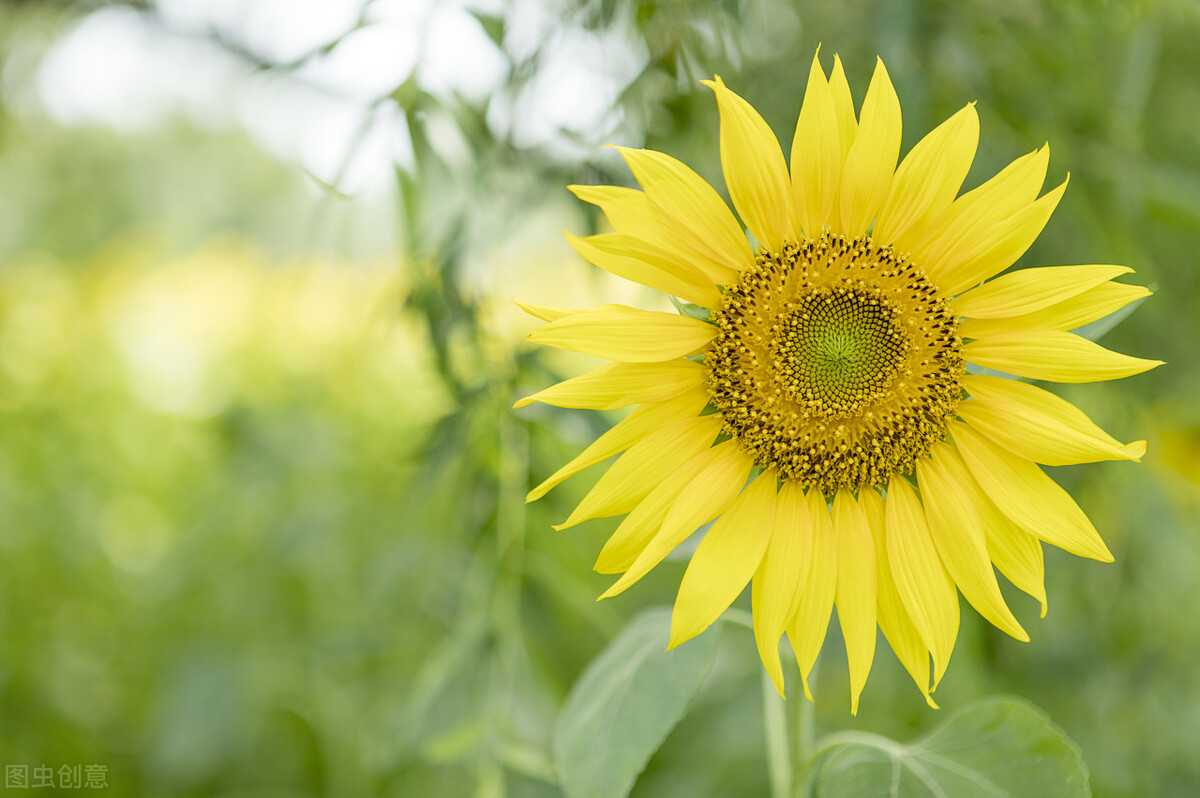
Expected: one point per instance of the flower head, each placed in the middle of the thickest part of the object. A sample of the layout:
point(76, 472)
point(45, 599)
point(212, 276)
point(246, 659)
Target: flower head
point(823, 409)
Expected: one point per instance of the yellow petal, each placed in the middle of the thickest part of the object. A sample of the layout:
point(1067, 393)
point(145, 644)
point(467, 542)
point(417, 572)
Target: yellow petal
point(632, 213)
point(894, 621)
point(927, 180)
point(954, 237)
point(639, 527)
point(1012, 189)
point(620, 332)
point(641, 262)
point(775, 591)
point(547, 314)
point(692, 203)
point(1015, 552)
point(961, 541)
point(857, 583)
point(1027, 290)
point(704, 498)
point(755, 171)
point(843, 105)
point(1030, 498)
point(620, 385)
point(817, 153)
point(635, 473)
point(807, 628)
point(637, 425)
point(1069, 314)
point(867, 172)
point(1053, 355)
point(994, 249)
point(726, 558)
point(1018, 555)
point(1036, 424)
point(921, 580)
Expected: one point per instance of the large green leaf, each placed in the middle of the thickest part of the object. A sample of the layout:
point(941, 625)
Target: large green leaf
point(1001, 748)
point(625, 704)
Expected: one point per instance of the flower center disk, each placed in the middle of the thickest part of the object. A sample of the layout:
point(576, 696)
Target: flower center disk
point(839, 348)
point(835, 363)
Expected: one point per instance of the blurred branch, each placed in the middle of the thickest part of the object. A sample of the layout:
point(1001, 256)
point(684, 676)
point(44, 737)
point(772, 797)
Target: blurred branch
point(82, 6)
point(234, 46)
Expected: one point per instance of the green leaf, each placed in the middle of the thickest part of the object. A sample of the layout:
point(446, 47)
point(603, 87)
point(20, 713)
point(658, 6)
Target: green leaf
point(492, 25)
point(625, 704)
point(1001, 748)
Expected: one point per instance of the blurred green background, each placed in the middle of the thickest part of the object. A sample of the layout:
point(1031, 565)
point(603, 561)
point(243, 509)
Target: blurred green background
point(261, 488)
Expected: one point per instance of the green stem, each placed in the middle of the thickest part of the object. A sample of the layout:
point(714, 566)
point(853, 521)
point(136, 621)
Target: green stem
point(779, 763)
point(806, 749)
point(740, 617)
point(806, 732)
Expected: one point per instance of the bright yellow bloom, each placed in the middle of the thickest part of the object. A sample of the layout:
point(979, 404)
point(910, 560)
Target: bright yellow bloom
point(823, 412)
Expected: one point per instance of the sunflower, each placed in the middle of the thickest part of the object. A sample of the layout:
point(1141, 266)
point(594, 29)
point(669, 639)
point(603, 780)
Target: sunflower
point(820, 395)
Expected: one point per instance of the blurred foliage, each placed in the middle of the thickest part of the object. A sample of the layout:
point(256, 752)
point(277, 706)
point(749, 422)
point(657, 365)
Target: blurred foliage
point(264, 520)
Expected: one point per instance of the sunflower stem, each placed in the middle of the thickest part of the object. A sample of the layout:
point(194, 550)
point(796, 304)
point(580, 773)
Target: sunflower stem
point(779, 761)
point(806, 746)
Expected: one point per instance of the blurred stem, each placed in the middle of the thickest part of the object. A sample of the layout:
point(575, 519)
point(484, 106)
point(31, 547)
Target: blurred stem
point(499, 708)
point(806, 745)
point(740, 617)
point(779, 762)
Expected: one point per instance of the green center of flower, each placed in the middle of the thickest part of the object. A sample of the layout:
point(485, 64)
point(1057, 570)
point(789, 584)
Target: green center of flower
point(835, 363)
point(840, 348)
